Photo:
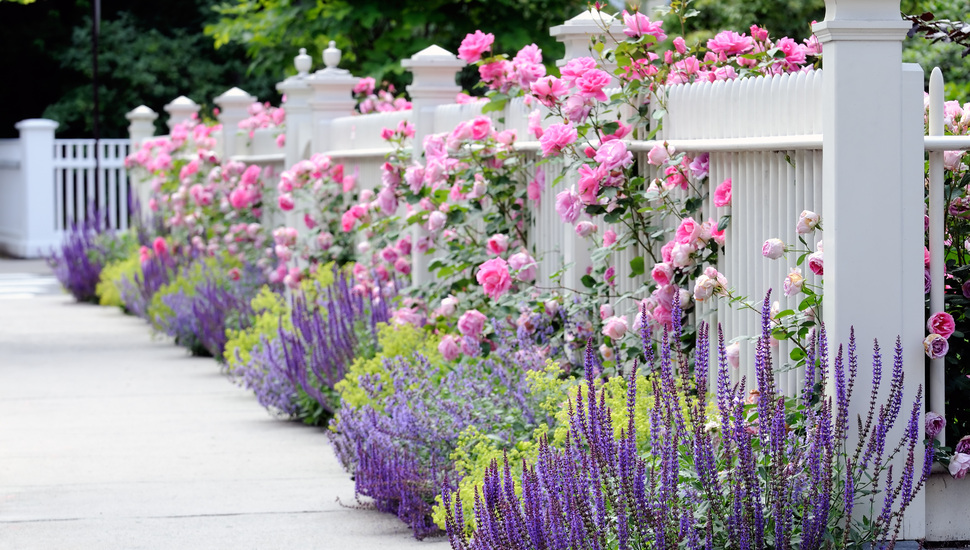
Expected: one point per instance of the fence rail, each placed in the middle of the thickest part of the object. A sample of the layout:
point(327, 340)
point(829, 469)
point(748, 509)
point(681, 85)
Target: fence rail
point(84, 185)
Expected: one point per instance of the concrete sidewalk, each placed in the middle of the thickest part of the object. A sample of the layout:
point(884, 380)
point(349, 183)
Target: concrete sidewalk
point(112, 440)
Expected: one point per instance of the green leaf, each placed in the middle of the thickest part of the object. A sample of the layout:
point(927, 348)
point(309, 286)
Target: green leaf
point(723, 222)
point(588, 281)
point(797, 354)
point(636, 265)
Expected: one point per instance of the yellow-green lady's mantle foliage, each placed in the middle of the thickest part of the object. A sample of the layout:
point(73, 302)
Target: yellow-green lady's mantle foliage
point(269, 308)
point(392, 341)
point(187, 282)
point(477, 450)
point(107, 289)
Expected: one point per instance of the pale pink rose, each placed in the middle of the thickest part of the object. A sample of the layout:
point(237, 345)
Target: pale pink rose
point(448, 307)
point(481, 127)
point(657, 155)
point(366, 195)
point(535, 123)
point(497, 244)
point(959, 465)
point(614, 327)
point(609, 237)
point(436, 220)
point(662, 273)
point(607, 352)
point(680, 256)
point(941, 323)
point(700, 166)
point(934, 424)
point(407, 316)
point(773, 249)
point(534, 190)
point(733, 352)
point(471, 323)
point(387, 201)
point(556, 138)
point(816, 263)
point(722, 195)
point(952, 160)
point(494, 277)
point(704, 288)
point(569, 206)
point(794, 281)
point(606, 310)
point(638, 25)
point(807, 222)
point(935, 346)
point(474, 45)
point(794, 52)
point(613, 155)
point(585, 228)
point(666, 251)
point(524, 265)
point(551, 307)
point(661, 315)
point(506, 137)
point(448, 348)
point(591, 84)
point(577, 108)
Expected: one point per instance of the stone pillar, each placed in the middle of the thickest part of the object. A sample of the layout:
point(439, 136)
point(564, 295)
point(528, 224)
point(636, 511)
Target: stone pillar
point(233, 109)
point(180, 110)
point(299, 118)
point(873, 178)
point(38, 232)
point(332, 97)
point(576, 34)
point(434, 69)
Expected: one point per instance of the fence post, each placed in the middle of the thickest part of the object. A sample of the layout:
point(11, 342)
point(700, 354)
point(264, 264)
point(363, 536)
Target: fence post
point(141, 129)
point(434, 69)
point(38, 232)
point(299, 119)
point(872, 171)
point(233, 109)
point(575, 34)
point(332, 96)
point(180, 110)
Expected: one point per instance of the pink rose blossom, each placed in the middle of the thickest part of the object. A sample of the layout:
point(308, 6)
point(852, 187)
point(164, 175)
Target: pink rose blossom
point(569, 206)
point(675, 178)
point(407, 316)
point(403, 266)
point(592, 82)
point(615, 327)
point(794, 281)
point(959, 465)
point(816, 263)
point(722, 195)
point(963, 446)
point(480, 127)
point(160, 246)
point(471, 323)
point(658, 155)
point(807, 222)
point(286, 202)
point(589, 182)
point(730, 43)
point(609, 237)
point(941, 323)
point(688, 231)
point(606, 310)
point(474, 45)
point(556, 138)
point(448, 348)
point(733, 352)
point(680, 45)
point(549, 90)
point(577, 108)
point(494, 277)
point(575, 68)
point(638, 25)
point(613, 155)
point(525, 266)
point(934, 424)
point(436, 220)
point(585, 228)
point(497, 244)
point(773, 249)
point(952, 160)
point(680, 255)
point(662, 273)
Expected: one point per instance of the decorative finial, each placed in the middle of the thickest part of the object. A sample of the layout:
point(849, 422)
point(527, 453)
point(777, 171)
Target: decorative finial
point(302, 62)
point(331, 56)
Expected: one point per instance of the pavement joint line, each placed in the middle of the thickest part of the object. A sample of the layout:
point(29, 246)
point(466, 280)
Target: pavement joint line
point(180, 516)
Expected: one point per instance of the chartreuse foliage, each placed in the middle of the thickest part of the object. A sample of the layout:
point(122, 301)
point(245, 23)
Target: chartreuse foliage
point(108, 292)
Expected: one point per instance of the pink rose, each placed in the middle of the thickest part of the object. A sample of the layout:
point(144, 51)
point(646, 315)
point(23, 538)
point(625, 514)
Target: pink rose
point(934, 424)
point(471, 323)
point(794, 281)
point(497, 244)
point(807, 222)
point(773, 249)
point(524, 265)
point(615, 327)
point(286, 202)
point(481, 127)
point(589, 182)
point(688, 231)
point(657, 155)
point(662, 273)
point(474, 45)
point(436, 220)
point(609, 237)
point(569, 206)
point(733, 352)
point(963, 446)
point(730, 43)
point(403, 266)
point(722, 195)
point(613, 155)
point(591, 84)
point(959, 465)
point(680, 45)
point(549, 90)
point(941, 323)
point(407, 316)
point(556, 138)
point(952, 160)
point(576, 68)
point(585, 228)
point(448, 348)
point(935, 346)
point(494, 277)
point(816, 263)
point(638, 25)
point(160, 246)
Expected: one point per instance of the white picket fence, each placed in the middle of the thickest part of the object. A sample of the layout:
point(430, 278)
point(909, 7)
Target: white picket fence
point(83, 187)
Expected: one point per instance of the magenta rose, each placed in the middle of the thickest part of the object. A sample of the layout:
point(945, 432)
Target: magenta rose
point(934, 424)
point(941, 323)
point(722, 195)
point(816, 263)
point(471, 323)
point(494, 277)
point(935, 346)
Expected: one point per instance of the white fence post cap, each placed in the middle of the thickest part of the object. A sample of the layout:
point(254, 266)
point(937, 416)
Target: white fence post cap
point(181, 103)
point(37, 124)
point(235, 96)
point(141, 112)
point(433, 56)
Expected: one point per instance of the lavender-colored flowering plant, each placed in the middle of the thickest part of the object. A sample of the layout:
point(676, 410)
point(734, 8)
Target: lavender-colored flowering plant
point(766, 472)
